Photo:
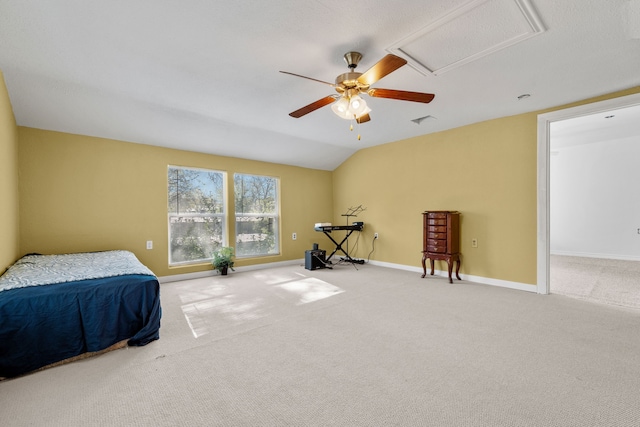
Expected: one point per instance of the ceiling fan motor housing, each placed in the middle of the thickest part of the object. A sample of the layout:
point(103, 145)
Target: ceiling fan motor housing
point(352, 59)
point(349, 81)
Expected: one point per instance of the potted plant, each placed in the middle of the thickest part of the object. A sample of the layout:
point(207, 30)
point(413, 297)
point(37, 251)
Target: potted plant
point(223, 260)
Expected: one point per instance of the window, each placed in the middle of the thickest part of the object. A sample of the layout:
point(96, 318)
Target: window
point(256, 199)
point(196, 214)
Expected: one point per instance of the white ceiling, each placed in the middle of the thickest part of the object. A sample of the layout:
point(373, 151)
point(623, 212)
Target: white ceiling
point(203, 75)
point(606, 126)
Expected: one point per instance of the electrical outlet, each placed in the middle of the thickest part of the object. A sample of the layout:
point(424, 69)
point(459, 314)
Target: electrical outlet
point(474, 243)
point(375, 235)
point(294, 236)
point(149, 244)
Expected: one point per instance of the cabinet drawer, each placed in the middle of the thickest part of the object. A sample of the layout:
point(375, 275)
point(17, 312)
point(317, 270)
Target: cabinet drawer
point(436, 215)
point(436, 229)
point(437, 221)
point(436, 235)
point(437, 248)
point(436, 242)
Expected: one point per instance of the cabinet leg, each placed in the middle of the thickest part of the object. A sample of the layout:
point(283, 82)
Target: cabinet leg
point(458, 269)
point(450, 268)
point(432, 266)
point(424, 266)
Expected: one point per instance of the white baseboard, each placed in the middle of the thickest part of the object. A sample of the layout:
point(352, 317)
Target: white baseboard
point(201, 274)
point(476, 279)
point(467, 277)
point(593, 255)
point(186, 276)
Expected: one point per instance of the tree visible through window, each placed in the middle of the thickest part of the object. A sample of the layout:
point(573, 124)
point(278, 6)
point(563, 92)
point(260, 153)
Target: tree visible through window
point(196, 214)
point(256, 200)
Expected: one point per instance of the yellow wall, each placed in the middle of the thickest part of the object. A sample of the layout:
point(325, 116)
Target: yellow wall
point(9, 212)
point(80, 193)
point(487, 171)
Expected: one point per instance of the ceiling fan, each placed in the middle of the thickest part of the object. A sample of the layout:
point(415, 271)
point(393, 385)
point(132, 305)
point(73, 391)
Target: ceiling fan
point(348, 104)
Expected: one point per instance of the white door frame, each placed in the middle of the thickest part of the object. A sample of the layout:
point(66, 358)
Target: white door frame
point(544, 136)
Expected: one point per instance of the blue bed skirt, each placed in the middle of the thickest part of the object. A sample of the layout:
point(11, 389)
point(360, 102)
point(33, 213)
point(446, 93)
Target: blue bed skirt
point(41, 325)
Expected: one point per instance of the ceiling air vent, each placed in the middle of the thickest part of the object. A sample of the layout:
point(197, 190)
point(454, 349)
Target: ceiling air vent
point(419, 120)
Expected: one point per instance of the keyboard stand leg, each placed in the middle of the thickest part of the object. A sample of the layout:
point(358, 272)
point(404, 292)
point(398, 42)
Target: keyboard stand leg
point(339, 246)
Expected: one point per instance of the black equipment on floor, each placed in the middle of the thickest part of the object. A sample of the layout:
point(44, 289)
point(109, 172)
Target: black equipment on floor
point(314, 259)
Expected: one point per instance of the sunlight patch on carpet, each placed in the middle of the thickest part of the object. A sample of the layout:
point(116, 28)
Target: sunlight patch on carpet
point(197, 290)
point(228, 308)
point(273, 278)
point(309, 289)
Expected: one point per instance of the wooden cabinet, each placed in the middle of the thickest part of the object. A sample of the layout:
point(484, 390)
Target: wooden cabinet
point(441, 240)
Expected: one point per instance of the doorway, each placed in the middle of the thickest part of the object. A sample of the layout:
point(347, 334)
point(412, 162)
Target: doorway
point(544, 153)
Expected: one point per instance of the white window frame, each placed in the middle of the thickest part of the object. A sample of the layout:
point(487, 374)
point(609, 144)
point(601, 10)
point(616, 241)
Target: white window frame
point(275, 215)
point(221, 215)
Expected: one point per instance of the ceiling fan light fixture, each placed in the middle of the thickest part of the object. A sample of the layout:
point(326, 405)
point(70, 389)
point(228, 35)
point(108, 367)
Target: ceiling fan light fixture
point(350, 108)
point(341, 108)
point(364, 112)
point(342, 105)
point(357, 105)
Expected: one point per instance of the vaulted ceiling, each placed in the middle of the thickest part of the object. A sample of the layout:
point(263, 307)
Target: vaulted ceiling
point(204, 75)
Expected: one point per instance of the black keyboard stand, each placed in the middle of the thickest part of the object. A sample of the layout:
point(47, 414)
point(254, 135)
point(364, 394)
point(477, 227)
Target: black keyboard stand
point(339, 246)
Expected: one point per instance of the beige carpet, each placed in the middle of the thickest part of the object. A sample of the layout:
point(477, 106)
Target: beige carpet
point(605, 281)
point(346, 347)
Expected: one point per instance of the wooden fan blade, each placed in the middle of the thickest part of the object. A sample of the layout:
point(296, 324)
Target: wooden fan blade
point(385, 66)
point(314, 106)
point(363, 119)
point(308, 78)
point(402, 95)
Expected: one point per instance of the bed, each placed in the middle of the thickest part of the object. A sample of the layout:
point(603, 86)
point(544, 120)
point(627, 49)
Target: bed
point(57, 307)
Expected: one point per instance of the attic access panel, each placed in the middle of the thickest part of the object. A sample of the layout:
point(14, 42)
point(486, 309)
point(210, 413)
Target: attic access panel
point(469, 32)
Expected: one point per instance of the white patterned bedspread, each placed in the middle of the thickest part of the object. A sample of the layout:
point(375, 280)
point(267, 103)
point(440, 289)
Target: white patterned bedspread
point(35, 270)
